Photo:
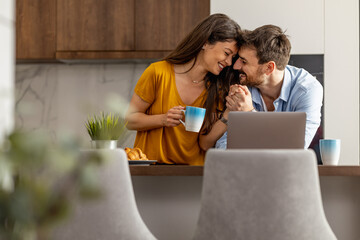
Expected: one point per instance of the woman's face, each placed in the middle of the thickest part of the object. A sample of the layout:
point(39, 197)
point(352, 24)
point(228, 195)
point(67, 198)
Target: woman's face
point(219, 55)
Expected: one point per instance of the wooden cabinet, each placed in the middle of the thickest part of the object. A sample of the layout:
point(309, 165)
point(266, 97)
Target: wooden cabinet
point(161, 24)
point(35, 29)
point(104, 29)
point(95, 25)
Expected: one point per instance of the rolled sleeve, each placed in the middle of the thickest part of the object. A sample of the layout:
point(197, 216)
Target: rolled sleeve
point(222, 142)
point(311, 103)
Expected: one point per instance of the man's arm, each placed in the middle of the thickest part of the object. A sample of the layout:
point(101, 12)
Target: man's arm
point(222, 142)
point(310, 102)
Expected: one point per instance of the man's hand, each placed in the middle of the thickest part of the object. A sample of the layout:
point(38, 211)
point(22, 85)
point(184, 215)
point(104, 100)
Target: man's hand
point(239, 99)
point(173, 116)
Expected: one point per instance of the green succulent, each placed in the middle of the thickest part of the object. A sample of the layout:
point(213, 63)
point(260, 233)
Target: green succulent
point(106, 126)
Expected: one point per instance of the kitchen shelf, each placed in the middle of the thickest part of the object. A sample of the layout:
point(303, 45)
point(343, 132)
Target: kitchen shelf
point(67, 55)
point(181, 170)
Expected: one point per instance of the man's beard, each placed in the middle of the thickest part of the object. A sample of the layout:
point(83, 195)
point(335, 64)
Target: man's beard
point(249, 80)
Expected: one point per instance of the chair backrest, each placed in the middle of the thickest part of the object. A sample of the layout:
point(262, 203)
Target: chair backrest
point(261, 194)
point(115, 214)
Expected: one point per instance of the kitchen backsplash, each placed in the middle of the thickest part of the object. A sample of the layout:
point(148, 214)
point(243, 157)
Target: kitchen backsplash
point(59, 97)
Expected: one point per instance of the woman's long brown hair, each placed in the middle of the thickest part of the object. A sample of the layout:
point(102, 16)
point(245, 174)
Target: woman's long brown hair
point(215, 28)
point(215, 103)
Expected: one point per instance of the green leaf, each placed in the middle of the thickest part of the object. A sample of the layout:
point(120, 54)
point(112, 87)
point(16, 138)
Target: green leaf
point(106, 126)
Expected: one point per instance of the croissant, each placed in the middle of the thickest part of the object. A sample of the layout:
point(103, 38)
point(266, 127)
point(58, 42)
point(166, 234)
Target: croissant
point(135, 154)
point(142, 155)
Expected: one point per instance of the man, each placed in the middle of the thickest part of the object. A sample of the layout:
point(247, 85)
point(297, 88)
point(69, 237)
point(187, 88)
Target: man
point(269, 84)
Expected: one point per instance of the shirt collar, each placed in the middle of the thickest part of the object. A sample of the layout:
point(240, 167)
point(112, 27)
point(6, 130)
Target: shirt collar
point(286, 86)
point(256, 97)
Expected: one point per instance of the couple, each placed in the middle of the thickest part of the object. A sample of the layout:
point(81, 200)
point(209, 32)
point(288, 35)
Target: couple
point(220, 68)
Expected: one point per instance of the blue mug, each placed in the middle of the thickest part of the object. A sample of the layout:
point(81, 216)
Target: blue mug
point(330, 151)
point(194, 118)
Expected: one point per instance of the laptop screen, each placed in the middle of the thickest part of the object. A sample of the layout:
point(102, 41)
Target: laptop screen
point(267, 130)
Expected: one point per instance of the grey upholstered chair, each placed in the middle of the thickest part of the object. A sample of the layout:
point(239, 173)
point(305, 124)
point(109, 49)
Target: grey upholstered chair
point(115, 215)
point(262, 194)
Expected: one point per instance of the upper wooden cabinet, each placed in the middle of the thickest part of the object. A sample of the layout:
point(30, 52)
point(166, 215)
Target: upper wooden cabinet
point(35, 29)
point(161, 24)
point(104, 29)
point(95, 25)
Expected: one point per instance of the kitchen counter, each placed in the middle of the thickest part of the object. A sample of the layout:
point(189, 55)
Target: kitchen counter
point(169, 199)
point(181, 170)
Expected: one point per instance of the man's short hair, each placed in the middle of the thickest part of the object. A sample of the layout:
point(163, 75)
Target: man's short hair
point(270, 43)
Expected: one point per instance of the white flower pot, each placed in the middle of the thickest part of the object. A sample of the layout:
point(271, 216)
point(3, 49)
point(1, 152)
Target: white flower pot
point(105, 144)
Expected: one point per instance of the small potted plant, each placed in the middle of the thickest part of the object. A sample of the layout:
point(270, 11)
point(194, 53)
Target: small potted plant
point(105, 130)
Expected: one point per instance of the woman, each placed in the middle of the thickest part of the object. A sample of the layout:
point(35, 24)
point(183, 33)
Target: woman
point(187, 77)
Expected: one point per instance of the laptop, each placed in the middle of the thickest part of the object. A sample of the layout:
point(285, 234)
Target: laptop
point(279, 130)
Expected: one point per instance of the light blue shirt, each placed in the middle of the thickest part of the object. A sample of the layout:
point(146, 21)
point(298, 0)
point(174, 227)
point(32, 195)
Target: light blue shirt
point(300, 92)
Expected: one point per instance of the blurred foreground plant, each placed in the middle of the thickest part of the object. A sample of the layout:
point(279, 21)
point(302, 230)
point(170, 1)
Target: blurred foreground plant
point(37, 179)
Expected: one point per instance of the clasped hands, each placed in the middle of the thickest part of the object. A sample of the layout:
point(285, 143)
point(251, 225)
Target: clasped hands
point(239, 99)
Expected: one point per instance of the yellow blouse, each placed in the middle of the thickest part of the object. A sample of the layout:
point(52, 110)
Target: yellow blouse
point(171, 145)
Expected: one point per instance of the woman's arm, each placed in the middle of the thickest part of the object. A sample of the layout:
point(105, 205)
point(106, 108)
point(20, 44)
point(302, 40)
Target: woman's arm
point(238, 99)
point(219, 128)
point(138, 120)
point(234, 102)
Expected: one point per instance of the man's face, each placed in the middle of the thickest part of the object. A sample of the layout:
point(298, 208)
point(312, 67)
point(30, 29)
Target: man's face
point(251, 72)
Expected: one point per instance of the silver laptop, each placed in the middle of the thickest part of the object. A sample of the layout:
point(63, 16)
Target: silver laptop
point(266, 130)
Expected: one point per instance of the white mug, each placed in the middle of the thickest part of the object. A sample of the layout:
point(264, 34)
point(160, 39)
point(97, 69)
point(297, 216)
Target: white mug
point(194, 118)
point(330, 151)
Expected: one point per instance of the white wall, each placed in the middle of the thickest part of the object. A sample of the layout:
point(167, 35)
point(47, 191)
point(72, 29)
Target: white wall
point(328, 27)
point(342, 76)
point(7, 62)
point(303, 20)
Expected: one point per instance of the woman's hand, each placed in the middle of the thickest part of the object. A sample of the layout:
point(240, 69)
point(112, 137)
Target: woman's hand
point(139, 120)
point(173, 116)
point(234, 89)
point(239, 98)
